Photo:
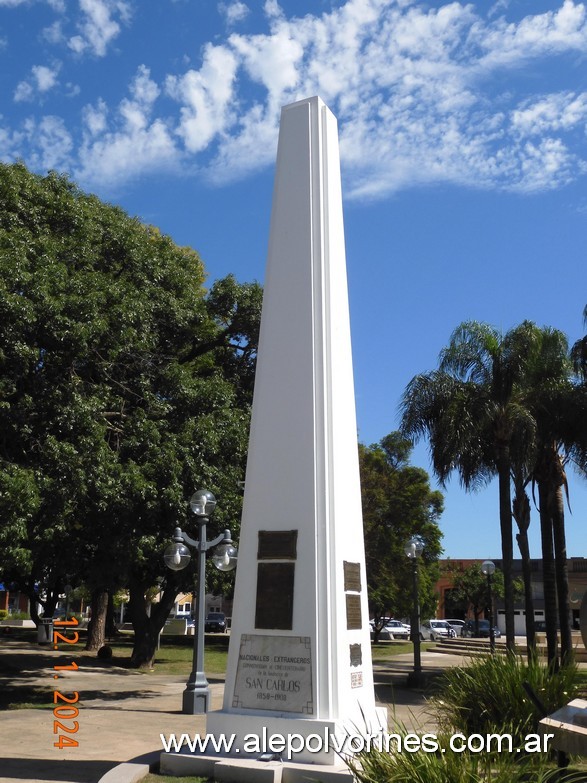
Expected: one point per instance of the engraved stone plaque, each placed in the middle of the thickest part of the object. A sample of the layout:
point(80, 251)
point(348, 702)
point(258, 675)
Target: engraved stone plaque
point(274, 673)
point(353, 612)
point(356, 654)
point(275, 592)
point(277, 545)
point(352, 577)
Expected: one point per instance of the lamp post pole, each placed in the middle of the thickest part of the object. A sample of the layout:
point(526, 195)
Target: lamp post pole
point(488, 568)
point(413, 550)
point(196, 696)
point(197, 691)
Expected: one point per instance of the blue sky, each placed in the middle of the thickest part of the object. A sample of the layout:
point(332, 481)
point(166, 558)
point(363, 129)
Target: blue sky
point(463, 146)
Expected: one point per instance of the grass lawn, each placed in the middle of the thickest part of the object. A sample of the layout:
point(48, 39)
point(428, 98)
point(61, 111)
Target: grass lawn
point(385, 651)
point(173, 658)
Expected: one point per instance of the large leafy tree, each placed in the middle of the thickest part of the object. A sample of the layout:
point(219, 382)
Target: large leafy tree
point(398, 503)
point(123, 386)
point(470, 589)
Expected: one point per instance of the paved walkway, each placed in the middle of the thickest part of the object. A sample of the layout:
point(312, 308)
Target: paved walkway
point(122, 713)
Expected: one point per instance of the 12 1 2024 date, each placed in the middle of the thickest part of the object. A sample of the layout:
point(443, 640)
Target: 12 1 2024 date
point(65, 709)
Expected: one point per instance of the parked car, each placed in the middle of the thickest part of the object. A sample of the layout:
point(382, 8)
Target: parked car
point(397, 630)
point(470, 630)
point(457, 625)
point(215, 622)
point(436, 629)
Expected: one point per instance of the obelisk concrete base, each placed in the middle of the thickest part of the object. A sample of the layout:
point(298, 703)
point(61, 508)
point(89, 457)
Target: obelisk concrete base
point(305, 741)
point(232, 769)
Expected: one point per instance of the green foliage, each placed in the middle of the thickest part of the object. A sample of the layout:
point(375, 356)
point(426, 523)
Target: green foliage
point(470, 588)
point(3, 614)
point(397, 504)
point(376, 765)
point(484, 698)
point(20, 616)
point(488, 695)
point(120, 388)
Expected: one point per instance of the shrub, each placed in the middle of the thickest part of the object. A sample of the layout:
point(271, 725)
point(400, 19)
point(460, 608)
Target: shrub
point(488, 695)
point(3, 614)
point(20, 616)
point(378, 766)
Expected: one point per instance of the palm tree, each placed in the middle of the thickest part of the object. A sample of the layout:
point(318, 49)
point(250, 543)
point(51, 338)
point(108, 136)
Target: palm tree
point(509, 407)
point(469, 411)
point(559, 407)
point(579, 353)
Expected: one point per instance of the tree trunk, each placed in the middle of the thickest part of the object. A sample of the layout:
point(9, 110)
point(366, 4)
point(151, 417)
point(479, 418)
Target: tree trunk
point(521, 512)
point(111, 629)
point(507, 546)
point(548, 576)
point(560, 562)
point(147, 626)
point(97, 625)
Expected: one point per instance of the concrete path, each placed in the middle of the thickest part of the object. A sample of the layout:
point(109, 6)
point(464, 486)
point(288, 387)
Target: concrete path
point(122, 713)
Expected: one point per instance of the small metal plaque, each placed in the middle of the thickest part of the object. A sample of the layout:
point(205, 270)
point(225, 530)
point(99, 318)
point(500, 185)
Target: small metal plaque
point(353, 612)
point(275, 594)
point(356, 679)
point(352, 577)
point(356, 654)
point(277, 545)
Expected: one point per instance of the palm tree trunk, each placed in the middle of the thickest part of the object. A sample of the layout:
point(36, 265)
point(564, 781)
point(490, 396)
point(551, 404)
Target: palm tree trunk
point(521, 512)
point(507, 547)
point(522, 539)
point(548, 575)
point(562, 577)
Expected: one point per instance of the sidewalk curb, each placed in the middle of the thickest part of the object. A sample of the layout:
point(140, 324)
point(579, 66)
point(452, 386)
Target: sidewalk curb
point(132, 771)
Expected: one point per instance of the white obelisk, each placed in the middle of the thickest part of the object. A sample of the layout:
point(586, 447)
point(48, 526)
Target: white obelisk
point(300, 656)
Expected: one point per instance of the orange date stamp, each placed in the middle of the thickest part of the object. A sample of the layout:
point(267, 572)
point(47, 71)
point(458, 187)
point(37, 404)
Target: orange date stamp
point(65, 711)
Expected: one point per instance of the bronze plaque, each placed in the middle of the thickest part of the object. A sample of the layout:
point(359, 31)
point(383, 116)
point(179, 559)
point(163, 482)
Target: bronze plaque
point(356, 654)
point(353, 613)
point(352, 577)
point(274, 673)
point(275, 593)
point(277, 545)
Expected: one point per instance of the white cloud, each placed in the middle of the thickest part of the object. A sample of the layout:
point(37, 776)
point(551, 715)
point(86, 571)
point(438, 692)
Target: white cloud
point(24, 92)
point(549, 33)
point(52, 143)
point(133, 144)
point(98, 26)
point(234, 12)
point(551, 113)
point(42, 80)
point(46, 78)
point(95, 119)
point(207, 98)
point(54, 33)
point(423, 94)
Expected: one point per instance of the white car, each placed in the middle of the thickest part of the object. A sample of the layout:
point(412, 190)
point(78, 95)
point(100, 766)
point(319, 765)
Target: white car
point(397, 630)
point(436, 629)
point(458, 625)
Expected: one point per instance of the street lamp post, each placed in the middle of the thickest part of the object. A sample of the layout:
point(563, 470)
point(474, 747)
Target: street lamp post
point(488, 568)
point(413, 550)
point(196, 695)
